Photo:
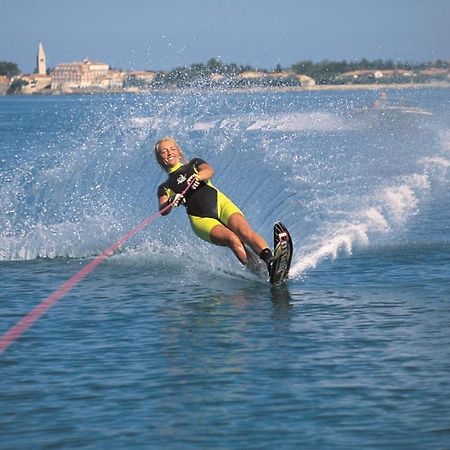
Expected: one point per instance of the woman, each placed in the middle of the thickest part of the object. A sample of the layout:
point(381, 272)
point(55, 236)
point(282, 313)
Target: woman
point(213, 216)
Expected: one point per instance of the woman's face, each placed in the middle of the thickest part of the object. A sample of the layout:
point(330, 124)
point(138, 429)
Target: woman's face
point(169, 154)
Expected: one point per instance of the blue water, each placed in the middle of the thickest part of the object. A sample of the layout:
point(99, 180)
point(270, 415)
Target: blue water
point(170, 344)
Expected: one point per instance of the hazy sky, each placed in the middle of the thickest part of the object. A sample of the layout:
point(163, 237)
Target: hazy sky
point(164, 34)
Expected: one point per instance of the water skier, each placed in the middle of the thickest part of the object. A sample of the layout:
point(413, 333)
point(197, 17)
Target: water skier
point(213, 216)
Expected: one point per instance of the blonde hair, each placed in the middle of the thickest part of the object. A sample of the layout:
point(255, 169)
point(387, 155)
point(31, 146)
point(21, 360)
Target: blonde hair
point(184, 160)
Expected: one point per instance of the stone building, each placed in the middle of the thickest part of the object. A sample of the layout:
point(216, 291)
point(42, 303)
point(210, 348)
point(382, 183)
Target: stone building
point(35, 84)
point(78, 75)
point(4, 84)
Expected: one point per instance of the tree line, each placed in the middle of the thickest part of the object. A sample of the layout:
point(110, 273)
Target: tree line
point(326, 72)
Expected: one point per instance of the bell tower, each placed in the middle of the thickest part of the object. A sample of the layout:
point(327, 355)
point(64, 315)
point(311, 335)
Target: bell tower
point(41, 60)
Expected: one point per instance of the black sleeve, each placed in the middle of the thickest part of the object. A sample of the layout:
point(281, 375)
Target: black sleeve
point(197, 162)
point(162, 190)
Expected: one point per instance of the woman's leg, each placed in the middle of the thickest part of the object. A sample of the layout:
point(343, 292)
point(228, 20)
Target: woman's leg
point(232, 216)
point(221, 235)
point(239, 225)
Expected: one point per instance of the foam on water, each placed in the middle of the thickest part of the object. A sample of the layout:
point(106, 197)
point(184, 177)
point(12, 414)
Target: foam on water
point(302, 122)
point(392, 208)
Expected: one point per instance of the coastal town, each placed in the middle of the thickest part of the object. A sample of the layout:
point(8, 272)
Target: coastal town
point(91, 76)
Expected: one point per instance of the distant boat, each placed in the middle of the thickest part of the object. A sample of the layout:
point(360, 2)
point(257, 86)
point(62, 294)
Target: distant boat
point(383, 103)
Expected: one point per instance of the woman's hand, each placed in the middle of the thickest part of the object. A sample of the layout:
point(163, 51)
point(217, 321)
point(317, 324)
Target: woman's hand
point(205, 172)
point(176, 200)
point(193, 181)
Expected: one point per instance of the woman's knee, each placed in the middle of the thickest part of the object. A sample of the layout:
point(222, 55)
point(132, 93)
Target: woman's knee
point(239, 225)
point(222, 235)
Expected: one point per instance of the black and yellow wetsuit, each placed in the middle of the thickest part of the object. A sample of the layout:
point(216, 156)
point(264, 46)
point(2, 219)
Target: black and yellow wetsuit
point(206, 206)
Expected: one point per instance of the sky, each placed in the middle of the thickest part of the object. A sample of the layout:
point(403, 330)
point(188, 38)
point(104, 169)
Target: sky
point(165, 34)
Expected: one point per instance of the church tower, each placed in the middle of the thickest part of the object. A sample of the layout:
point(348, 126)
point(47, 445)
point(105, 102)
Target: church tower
point(41, 60)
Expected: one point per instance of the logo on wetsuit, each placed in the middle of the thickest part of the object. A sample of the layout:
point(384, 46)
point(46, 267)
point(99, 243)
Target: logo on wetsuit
point(181, 179)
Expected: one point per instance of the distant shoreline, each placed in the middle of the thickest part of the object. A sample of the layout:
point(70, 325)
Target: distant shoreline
point(332, 87)
point(315, 88)
point(243, 90)
point(350, 87)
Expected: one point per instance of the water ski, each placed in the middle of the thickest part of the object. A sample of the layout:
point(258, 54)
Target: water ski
point(282, 244)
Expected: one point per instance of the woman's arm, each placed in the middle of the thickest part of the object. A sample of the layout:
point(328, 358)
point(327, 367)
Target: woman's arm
point(163, 203)
point(205, 172)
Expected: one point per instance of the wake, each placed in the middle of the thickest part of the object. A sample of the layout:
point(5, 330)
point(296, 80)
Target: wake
point(388, 212)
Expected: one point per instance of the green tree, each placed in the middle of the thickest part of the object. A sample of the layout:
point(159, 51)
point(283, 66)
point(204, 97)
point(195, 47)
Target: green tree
point(9, 69)
point(278, 68)
point(214, 66)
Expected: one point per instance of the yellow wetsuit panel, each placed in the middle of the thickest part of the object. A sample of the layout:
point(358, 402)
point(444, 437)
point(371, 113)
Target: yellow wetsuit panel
point(202, 226)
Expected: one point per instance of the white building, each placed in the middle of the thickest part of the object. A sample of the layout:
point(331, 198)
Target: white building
point(41, 60)
point(76, 75)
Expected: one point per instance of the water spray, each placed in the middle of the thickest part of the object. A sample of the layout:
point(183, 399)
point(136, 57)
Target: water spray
point(17, 330)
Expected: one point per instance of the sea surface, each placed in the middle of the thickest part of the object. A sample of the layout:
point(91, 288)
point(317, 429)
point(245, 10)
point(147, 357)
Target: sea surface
point(170, 343)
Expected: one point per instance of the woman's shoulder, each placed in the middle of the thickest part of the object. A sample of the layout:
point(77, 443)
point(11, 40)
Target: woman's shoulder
point(197, 161)
point(163, 186)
